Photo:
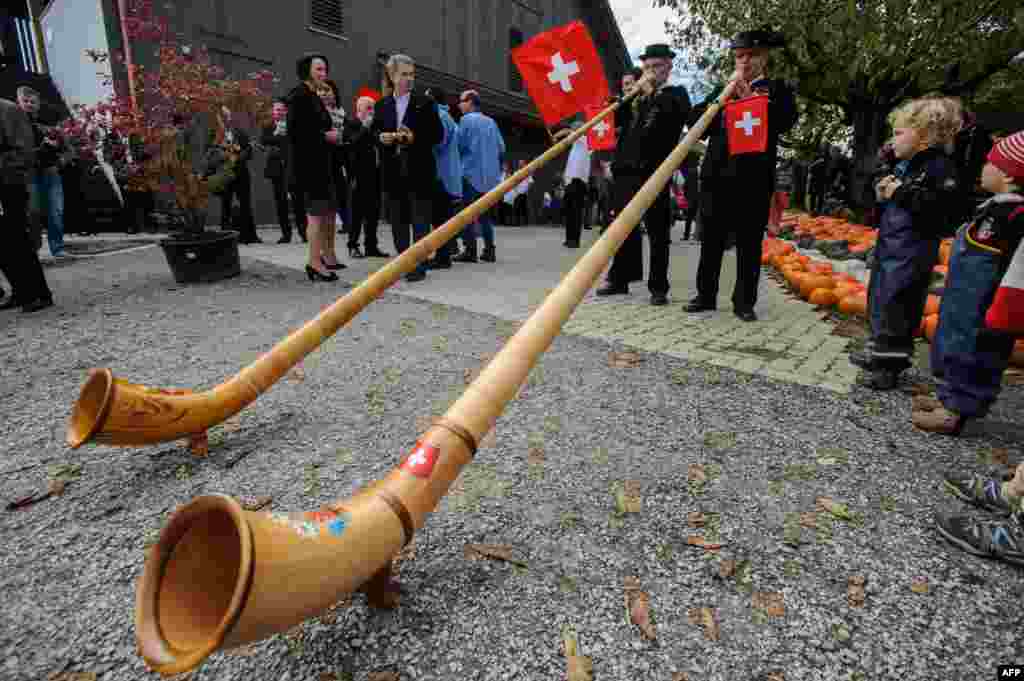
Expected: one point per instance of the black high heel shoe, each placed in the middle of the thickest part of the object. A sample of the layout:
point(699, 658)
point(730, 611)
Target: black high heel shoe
point(316, 275)
point(338, 266)
point(354, 252)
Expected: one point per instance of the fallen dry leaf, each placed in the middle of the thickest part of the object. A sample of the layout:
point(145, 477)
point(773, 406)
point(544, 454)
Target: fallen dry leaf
point(696, 519)
point(56, 487)
point(924, 403)
point(627, 497)
point(72, 676)
point(680, 676)
point(624, 360)
point(535, 455)
point(244, 651)
point(809, 519)
point(919, 585)
point(776, 676)
point(638, 605)
point(297, 375)
point(855, 591)
point(697, 540)
point(838, 510)
point(695, 473)
point(705, 617)
point(27, 500)
point(727, 568)
point(496, 551)
point(771, 602)
point(383, 676)
point(579, 667)
point(256, 503)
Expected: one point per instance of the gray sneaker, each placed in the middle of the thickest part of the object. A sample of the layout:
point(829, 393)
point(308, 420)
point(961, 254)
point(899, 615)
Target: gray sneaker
point(980, 491)
point(1002, 539)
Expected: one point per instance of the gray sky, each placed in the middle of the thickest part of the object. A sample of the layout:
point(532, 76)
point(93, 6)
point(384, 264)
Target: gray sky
point(641, 23)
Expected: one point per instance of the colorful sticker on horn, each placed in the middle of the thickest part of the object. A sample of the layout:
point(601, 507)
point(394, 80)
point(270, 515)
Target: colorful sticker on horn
point(421, 460)
point(313, 524)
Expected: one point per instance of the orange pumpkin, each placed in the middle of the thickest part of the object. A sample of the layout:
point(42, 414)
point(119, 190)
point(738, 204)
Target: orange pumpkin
point(823, 297)
point(854, 304)
point(931, 324)
point(945, 250)
point(932, 305)
point(941, 269)
point(812, 281)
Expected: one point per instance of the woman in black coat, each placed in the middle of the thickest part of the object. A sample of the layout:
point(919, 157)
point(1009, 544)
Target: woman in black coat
point(311, 136)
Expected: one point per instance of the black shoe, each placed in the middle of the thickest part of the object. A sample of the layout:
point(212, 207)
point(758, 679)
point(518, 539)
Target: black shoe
point(284, 240)
point(572, 244)
point(745, 315)
point(440, 263)
point(9, 304)
point(415, 276)
point(317, 275)
point(880, 379)
point(659, 299)
point(336, 266)
point(465, 256)
point(489, 255)
point(861, 358)
point(2, 293)
point(354, 252)
point(37, 304)
point(612, 290)
point(376, 253)
point(698, 305)
point(251, 239)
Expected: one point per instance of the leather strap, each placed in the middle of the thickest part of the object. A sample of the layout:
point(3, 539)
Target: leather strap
point(459, 432)
point(399, 509)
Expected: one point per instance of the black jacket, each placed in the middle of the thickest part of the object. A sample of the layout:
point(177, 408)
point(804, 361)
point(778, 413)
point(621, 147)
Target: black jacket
point(410, 168)
point(727, 177)
point(363, 157)
point(309, 159)
point(651, 128)
point(926, 201)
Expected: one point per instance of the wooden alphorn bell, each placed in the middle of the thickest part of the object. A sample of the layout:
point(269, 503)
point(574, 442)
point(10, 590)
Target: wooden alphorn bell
point(113, 411)
point(220, 576)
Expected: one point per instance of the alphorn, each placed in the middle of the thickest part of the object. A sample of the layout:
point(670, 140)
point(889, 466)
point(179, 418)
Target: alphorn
point(220, 576)
point(113, 411)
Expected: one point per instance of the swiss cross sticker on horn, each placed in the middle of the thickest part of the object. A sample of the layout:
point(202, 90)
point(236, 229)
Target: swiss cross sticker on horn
point(562, 71)
point(421, 460)
point(601, 137)
point(746, 122)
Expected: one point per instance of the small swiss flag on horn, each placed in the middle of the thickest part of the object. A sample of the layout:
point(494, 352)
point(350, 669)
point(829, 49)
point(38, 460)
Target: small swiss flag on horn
point(601, 137)
point(421, 460)
point(1007, 310)
point(746, 122)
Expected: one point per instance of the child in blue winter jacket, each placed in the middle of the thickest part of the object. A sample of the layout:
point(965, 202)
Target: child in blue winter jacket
point(971, 357)
point(917, 199)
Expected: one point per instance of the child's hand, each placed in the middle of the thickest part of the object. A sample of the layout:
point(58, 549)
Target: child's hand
point(886, 187)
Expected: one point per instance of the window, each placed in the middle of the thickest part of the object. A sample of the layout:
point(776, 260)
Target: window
point(515, 79)
point(327, 16)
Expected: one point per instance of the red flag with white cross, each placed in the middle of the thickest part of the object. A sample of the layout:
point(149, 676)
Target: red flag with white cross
point(421, 460)
point(746, 122)
point(562, 71)
point(601, 137)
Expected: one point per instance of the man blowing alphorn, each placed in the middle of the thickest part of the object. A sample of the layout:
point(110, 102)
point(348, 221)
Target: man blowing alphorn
point(651, 129)
point(738, 177)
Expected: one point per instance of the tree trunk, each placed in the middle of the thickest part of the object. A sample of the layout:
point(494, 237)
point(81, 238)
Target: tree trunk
point(869, 130)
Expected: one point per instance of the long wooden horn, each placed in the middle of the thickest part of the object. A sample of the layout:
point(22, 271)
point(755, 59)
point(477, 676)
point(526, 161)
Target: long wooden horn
point(220, 576)
point(113, 411)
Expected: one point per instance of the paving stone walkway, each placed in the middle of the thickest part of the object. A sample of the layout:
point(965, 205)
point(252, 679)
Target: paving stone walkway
point(788, 343)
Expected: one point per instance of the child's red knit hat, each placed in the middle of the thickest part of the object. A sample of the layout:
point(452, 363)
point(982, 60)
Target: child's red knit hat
point(1008, 155)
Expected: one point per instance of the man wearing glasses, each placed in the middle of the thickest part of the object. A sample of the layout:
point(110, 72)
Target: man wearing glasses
point(650, 132)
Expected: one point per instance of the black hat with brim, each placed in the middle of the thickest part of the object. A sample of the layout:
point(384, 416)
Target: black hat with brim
point(761, 38)
point(658, 51)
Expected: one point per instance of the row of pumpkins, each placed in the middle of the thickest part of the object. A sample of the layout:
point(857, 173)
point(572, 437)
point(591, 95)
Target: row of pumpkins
point(817, 283)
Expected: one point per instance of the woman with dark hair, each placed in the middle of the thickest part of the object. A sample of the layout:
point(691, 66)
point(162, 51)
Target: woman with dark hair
point(330, 96)
point(312, 136)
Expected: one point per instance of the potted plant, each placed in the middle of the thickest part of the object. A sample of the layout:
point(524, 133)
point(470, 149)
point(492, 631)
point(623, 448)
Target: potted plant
point(151, 138)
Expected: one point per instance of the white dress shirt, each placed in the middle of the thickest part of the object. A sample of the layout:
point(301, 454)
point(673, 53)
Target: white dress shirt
point(578, 165)
point(402, 105)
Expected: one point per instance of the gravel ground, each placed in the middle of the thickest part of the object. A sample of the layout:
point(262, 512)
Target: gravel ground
point(68, 564)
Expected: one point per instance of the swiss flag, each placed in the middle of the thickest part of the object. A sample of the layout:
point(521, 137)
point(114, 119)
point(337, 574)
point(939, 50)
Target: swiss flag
point(562, 71)
point(746, 122)
point(368, 92)
point(421, 460)
point(601, 137)
point(1007, 310)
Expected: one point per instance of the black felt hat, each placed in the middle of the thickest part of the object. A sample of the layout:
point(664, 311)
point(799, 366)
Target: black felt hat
point(762, 37)
point(658, 51)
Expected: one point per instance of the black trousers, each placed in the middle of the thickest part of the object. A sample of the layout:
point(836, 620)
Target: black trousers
point(522, 207)
point(746, 220)
point(411, 216)
point(628, 264)
point(19, 260)
point(242, 188)
point(575, 194)
point(281, 203)
point(365, 213)
point(445, 206)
